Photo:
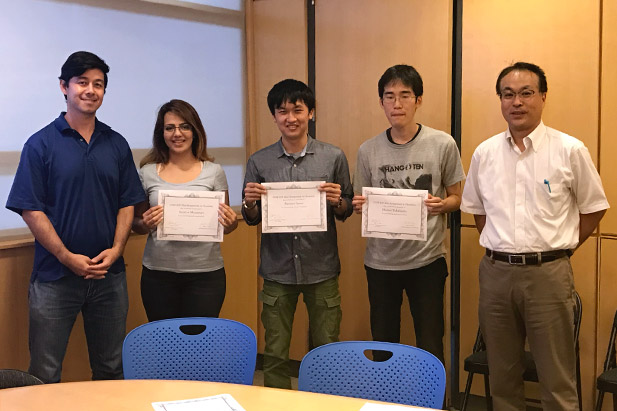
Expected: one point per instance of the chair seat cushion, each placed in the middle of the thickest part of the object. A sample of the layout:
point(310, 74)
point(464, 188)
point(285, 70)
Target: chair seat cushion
point(477, 363)
point(607, 381)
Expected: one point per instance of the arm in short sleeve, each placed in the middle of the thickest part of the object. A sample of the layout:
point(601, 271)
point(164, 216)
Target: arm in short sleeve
point(29, 190)
point(131, 190)
point(586, 185)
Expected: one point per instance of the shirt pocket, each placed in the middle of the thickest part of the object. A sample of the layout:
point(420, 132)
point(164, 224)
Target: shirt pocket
point(551, 198)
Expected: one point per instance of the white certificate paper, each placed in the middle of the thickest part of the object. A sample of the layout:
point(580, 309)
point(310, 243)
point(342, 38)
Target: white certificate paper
point(221, 402)
point(394, 213)
point(190, 215)
point(292, 207)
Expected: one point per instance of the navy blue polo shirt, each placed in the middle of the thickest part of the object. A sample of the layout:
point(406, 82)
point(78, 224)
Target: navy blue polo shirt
point(79, 186)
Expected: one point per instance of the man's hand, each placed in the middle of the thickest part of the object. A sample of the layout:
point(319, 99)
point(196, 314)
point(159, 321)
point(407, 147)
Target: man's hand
point(101, 263)
point(81, 265)
point(253, 192)
point(357, 203)
point(435, 205)
point(333, 192)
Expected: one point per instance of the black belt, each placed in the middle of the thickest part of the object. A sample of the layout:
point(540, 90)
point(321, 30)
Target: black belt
point(528, 258)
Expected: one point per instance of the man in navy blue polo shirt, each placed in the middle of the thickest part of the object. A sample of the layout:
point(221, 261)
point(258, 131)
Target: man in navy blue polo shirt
point(75, 188)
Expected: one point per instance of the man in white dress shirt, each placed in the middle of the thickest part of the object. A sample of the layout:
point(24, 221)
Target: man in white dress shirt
point(535, 196)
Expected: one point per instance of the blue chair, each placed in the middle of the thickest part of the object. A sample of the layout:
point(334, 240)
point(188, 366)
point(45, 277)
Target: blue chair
point(198, 348)
point(411, 376)
point(10, 378)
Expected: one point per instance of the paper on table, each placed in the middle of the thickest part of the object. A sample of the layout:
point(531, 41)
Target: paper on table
point(295, 206)
point(383, 407)
point(190, 215)
point(394, 213)
point(221, 402)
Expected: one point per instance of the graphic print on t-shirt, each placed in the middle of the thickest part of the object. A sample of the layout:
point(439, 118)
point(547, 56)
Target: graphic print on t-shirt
point(409, 176)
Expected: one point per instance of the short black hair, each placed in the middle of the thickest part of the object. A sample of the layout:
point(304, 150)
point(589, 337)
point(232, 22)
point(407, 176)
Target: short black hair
point(407, 75)
point(522, 66)
point(291, 91)
point(80, 62)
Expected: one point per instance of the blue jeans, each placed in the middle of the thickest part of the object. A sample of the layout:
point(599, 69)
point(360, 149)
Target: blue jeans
point(53, 309)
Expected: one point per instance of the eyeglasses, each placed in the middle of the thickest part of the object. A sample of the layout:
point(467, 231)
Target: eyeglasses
point(184, 127)
point(403, 98)
point(511, 95)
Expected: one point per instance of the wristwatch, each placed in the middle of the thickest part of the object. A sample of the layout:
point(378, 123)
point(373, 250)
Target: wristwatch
point(248, 207)
point(340, 202)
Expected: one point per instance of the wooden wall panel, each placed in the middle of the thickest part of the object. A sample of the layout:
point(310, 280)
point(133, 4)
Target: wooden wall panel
point(279, 50)
point(608, 142)
point(15, 269)
point(356, 42)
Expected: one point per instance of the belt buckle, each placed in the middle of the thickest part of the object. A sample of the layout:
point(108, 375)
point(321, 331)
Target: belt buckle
point(515, 259)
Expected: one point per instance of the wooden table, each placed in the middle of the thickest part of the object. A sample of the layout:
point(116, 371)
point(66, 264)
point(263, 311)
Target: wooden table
point(137, 395)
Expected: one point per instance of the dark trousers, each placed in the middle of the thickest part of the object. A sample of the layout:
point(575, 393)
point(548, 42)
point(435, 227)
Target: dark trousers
point(175, 295)
point(424, 287)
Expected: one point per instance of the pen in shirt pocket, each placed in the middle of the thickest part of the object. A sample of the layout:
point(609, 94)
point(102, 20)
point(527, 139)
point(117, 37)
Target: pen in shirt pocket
point(547, 184)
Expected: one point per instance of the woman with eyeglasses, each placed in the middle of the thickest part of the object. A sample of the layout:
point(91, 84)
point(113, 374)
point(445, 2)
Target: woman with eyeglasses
point(180, 278)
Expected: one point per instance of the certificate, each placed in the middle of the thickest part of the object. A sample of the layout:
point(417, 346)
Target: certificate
point(190, 215)
point(295, 206)
point(394, 213)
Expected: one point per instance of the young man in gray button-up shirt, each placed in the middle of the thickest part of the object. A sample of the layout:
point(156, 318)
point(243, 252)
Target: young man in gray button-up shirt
point(294, 263)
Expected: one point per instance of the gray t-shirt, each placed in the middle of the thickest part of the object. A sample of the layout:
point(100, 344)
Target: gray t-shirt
point(431, 161)
point(182, 256)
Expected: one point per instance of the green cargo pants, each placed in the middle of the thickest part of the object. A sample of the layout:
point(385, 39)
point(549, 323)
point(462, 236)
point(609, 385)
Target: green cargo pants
point(323, 302)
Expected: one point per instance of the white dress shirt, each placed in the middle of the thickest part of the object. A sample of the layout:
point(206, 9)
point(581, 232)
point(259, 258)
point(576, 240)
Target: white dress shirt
point(532, 199)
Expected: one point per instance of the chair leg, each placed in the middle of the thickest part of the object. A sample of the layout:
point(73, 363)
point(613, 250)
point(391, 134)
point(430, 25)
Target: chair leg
point(487, 393)
point(467, 391)
point(614, 402)
point(600, 400)
point(578, 384)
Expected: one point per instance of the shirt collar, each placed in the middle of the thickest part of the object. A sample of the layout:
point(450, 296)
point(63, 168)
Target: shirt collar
point(536, 137)
point(62, 125)
point(308, 148)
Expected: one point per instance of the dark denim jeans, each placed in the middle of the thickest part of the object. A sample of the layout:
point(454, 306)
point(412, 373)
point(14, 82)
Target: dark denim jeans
point(53, 309)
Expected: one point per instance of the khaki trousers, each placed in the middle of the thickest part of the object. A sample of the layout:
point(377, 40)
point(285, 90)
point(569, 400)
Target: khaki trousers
point(534, 302)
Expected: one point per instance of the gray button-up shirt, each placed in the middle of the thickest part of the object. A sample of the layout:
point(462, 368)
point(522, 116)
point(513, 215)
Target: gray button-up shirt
point(300, 258)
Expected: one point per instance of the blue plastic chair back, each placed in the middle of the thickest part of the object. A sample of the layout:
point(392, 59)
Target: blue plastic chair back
point(225, 351)
point(411, 376)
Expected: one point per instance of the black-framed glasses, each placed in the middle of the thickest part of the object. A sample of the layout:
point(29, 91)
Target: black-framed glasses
point(184, 127)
